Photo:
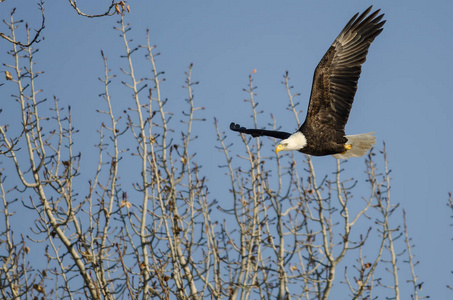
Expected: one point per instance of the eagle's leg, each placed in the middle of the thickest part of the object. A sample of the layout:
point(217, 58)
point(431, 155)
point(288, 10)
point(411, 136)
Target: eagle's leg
point(346, 147)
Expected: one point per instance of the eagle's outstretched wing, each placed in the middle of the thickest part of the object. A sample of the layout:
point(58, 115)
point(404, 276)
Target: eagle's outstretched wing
point(335, 78)
point(260, 132)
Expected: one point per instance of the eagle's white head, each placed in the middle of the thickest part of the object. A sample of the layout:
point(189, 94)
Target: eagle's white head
point(295, 142)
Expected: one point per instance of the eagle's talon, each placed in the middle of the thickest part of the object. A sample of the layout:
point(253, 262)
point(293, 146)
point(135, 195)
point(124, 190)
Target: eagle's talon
point(346, 147)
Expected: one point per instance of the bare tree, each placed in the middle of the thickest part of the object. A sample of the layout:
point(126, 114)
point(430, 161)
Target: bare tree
point(285, 232)
point(450, 205)
point(112, 9)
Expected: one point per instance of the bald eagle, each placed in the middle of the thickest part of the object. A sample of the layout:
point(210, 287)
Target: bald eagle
point(332, 94)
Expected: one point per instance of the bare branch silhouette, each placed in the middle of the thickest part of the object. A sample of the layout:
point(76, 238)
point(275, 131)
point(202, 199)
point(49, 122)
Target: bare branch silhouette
point(30, 40)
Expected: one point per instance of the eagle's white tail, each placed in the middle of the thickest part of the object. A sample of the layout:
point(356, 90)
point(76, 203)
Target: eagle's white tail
point(360, 143)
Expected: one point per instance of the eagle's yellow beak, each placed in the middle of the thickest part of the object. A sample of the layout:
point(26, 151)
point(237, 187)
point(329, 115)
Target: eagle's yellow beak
point(279, 148)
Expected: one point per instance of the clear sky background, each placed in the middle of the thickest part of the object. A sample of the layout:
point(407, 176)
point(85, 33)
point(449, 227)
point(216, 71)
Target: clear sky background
point(404, 92)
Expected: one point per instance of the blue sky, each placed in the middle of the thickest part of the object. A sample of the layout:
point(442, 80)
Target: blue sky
point(404, 93)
